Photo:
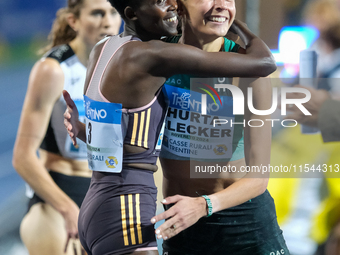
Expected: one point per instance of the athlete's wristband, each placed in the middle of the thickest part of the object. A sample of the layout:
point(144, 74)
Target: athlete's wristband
point(209, 204)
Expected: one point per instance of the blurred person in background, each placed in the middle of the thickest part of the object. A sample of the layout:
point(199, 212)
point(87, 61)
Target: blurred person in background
point(332, 246)
point(318, 216)
point(326, 116)
point(303, 203)
point(325, 113)
point(321, 14)
point(330, 69)
point(59, 175)
point(324, 106)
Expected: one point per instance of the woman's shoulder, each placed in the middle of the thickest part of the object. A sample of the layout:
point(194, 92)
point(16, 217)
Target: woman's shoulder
point(47, 68)
point(46, 81)
point(60, 53)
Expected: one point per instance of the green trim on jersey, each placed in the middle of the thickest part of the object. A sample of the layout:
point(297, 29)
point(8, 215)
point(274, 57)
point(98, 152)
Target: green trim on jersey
point(229, 45)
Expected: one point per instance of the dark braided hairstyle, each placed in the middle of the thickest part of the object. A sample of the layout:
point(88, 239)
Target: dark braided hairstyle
point(120, 5)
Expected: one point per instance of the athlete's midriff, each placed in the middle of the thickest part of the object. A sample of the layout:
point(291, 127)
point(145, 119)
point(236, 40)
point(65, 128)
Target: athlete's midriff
point(132, 149)
point(176, 178)
point(63, 165)
point(73, 167)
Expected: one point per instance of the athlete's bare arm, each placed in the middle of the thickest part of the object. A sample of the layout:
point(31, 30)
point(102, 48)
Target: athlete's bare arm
point(44, 88)
point(152, 62)
point(173, 59)
point(139, 69)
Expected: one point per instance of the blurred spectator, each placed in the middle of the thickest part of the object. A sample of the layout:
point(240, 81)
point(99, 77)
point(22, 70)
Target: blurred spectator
point(332, 246)
point(321, 14)
point(326, 116)
point(325, 113)
point(330, 67)
point(307, 211)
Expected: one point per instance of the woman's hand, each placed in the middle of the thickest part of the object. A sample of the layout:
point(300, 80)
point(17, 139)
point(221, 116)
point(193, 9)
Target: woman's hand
point(318, 98)
point(185, 212)
point(71, 120)
point(71, 223)
point(235, 27)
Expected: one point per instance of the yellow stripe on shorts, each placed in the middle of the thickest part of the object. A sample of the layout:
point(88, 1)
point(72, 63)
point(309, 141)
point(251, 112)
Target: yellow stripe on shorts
point(123, 212)
point(139, 230)
point(131, 221)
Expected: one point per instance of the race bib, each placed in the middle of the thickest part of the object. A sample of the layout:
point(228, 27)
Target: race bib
point(190, 132)
point(104, 136)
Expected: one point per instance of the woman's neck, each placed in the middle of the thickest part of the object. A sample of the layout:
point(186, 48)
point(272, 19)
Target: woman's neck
point(138, 31)
point(201, 41)
point(81, 50)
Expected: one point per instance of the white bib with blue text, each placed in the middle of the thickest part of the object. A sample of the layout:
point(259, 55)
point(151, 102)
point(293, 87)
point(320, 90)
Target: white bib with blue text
point(189, 133)
point(104, 137)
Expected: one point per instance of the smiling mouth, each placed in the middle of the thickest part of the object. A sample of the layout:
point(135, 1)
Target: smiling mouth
point(218, 19)
point(173, 19)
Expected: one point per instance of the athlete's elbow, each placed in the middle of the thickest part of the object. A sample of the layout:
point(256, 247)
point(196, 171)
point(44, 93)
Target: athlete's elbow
point(16, 162)
point(271, 63)
point(19, 160)
point(259, 185)
point(267, 67)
